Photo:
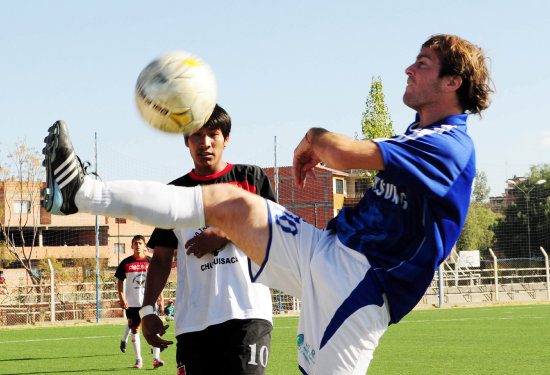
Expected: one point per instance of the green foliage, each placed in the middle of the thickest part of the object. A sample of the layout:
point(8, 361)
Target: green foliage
point(477, 233)
point(481, 190)
point(376, 121)
point(527, 219)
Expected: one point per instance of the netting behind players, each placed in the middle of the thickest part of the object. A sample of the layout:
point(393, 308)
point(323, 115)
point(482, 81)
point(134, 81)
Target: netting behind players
point(71, 244)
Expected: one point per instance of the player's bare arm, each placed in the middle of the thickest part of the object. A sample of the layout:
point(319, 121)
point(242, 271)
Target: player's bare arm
point(336, 151)
point(208, 241)
point(160, 302)
point(157, 275)
point(123, 302)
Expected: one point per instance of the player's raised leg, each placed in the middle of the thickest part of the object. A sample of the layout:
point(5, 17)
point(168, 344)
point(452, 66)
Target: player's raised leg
point(240, 214)
point(64, 171)
point(69, 189)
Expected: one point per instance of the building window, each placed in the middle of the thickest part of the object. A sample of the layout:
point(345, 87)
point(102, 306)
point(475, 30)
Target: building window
point(22, 207)
point(119, 248)
point(339, 186)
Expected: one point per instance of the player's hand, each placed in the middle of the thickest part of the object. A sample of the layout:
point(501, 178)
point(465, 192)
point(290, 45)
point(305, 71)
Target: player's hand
point(304, 162)
point(124, 304)
point(208, 241)
point(152, 329)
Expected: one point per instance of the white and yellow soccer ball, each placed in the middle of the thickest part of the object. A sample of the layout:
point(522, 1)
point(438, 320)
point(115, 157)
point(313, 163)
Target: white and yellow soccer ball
point(176, 92)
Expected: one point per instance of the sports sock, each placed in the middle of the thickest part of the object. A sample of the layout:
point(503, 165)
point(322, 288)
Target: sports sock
point(148, 202)
point(136, 345)
point(126, 333)
point(156, 353)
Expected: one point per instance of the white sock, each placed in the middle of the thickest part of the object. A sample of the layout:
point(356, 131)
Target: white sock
point(148, 202)
point(156, 353)
point(136, 345)
point(126, 333)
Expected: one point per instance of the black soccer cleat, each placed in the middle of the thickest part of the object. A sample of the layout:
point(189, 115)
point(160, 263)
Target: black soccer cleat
point(123, 346)
point(64, 171)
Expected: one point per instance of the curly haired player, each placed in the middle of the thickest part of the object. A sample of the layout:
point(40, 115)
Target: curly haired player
point(374, 261)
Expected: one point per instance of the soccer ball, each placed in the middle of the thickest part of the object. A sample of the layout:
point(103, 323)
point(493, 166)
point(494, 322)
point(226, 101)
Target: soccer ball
point(176, 92)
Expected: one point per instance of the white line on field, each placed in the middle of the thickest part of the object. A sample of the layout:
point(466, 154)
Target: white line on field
point(58, 339)
point(487, 318)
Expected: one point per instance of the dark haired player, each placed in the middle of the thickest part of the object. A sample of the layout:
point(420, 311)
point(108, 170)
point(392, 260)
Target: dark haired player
point(218, 309)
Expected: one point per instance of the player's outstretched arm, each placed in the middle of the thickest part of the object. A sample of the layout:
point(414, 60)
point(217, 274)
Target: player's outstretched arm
point(336, 151)
point(157, 275)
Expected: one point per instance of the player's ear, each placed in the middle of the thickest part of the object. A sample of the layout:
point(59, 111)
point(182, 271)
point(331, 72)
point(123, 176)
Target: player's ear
point(453, 83)
point(226, 141)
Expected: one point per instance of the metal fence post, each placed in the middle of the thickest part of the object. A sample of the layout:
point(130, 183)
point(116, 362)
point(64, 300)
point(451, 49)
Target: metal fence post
point(440, 283)
point(52, 292)
point(547, 272)
point(495, 265)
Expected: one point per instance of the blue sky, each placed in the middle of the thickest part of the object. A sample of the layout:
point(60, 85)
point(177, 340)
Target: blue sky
point(282, 67)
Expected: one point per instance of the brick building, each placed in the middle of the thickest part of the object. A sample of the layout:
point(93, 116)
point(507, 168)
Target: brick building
point(323, 197)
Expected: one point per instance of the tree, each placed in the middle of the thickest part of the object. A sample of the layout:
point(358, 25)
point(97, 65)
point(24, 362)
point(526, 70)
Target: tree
point(527, 217)
point(21, 176)
point(477, 233)
point(480, 192)
point(376, 121)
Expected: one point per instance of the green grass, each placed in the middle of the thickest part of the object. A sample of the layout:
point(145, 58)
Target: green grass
point(483, 340)
point(473, 341)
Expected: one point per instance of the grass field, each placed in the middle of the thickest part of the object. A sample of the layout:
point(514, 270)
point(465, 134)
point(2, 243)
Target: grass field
point(482, 340)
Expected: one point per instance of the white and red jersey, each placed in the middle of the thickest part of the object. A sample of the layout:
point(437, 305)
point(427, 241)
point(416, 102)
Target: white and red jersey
point(216, 288)
point(134, 271)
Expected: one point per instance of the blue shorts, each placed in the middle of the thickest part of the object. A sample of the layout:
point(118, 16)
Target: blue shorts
point(344, 312)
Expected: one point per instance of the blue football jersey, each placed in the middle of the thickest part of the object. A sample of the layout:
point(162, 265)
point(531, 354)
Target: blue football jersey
point(410, 219)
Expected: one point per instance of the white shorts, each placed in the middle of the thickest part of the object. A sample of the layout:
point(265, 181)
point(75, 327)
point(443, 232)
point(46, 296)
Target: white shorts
point(344, 313)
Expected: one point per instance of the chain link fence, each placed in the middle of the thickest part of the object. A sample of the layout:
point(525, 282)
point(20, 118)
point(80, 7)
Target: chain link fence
point(87, 301)
point(457, 283)
point(510, 233)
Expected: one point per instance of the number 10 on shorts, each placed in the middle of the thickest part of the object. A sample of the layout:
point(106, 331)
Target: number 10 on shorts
point(263, 355)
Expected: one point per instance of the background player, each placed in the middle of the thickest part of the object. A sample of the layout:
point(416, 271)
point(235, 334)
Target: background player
point(374, 262)
point(133, 270)
point(218, 309)
point(160, 310)
point(169, 311)
point(125, 335)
